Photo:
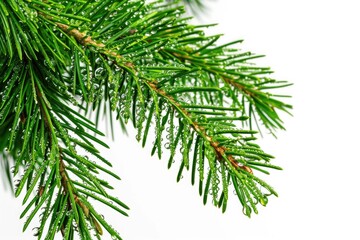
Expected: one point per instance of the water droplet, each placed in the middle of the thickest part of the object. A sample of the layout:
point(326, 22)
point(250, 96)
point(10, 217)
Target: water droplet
point(36, 231)
point(98, 60)
point(100, 73)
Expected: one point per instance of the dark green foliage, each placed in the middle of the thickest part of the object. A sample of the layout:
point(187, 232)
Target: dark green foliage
point(145, 64)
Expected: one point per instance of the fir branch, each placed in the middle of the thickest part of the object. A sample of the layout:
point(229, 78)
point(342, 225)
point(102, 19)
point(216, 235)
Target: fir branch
point(251, 92)
point(146, 64)
point(220, 150)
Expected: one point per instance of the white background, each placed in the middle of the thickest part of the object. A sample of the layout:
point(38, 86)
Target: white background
point(315, 45)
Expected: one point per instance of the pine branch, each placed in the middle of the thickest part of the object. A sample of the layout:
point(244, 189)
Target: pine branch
point(87, 40)
point(220, 154)
point(146, 64)
point(70, 204)
point(247, 82)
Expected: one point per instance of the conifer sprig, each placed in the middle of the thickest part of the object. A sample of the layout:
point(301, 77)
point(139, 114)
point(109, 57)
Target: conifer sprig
point(146, 64)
